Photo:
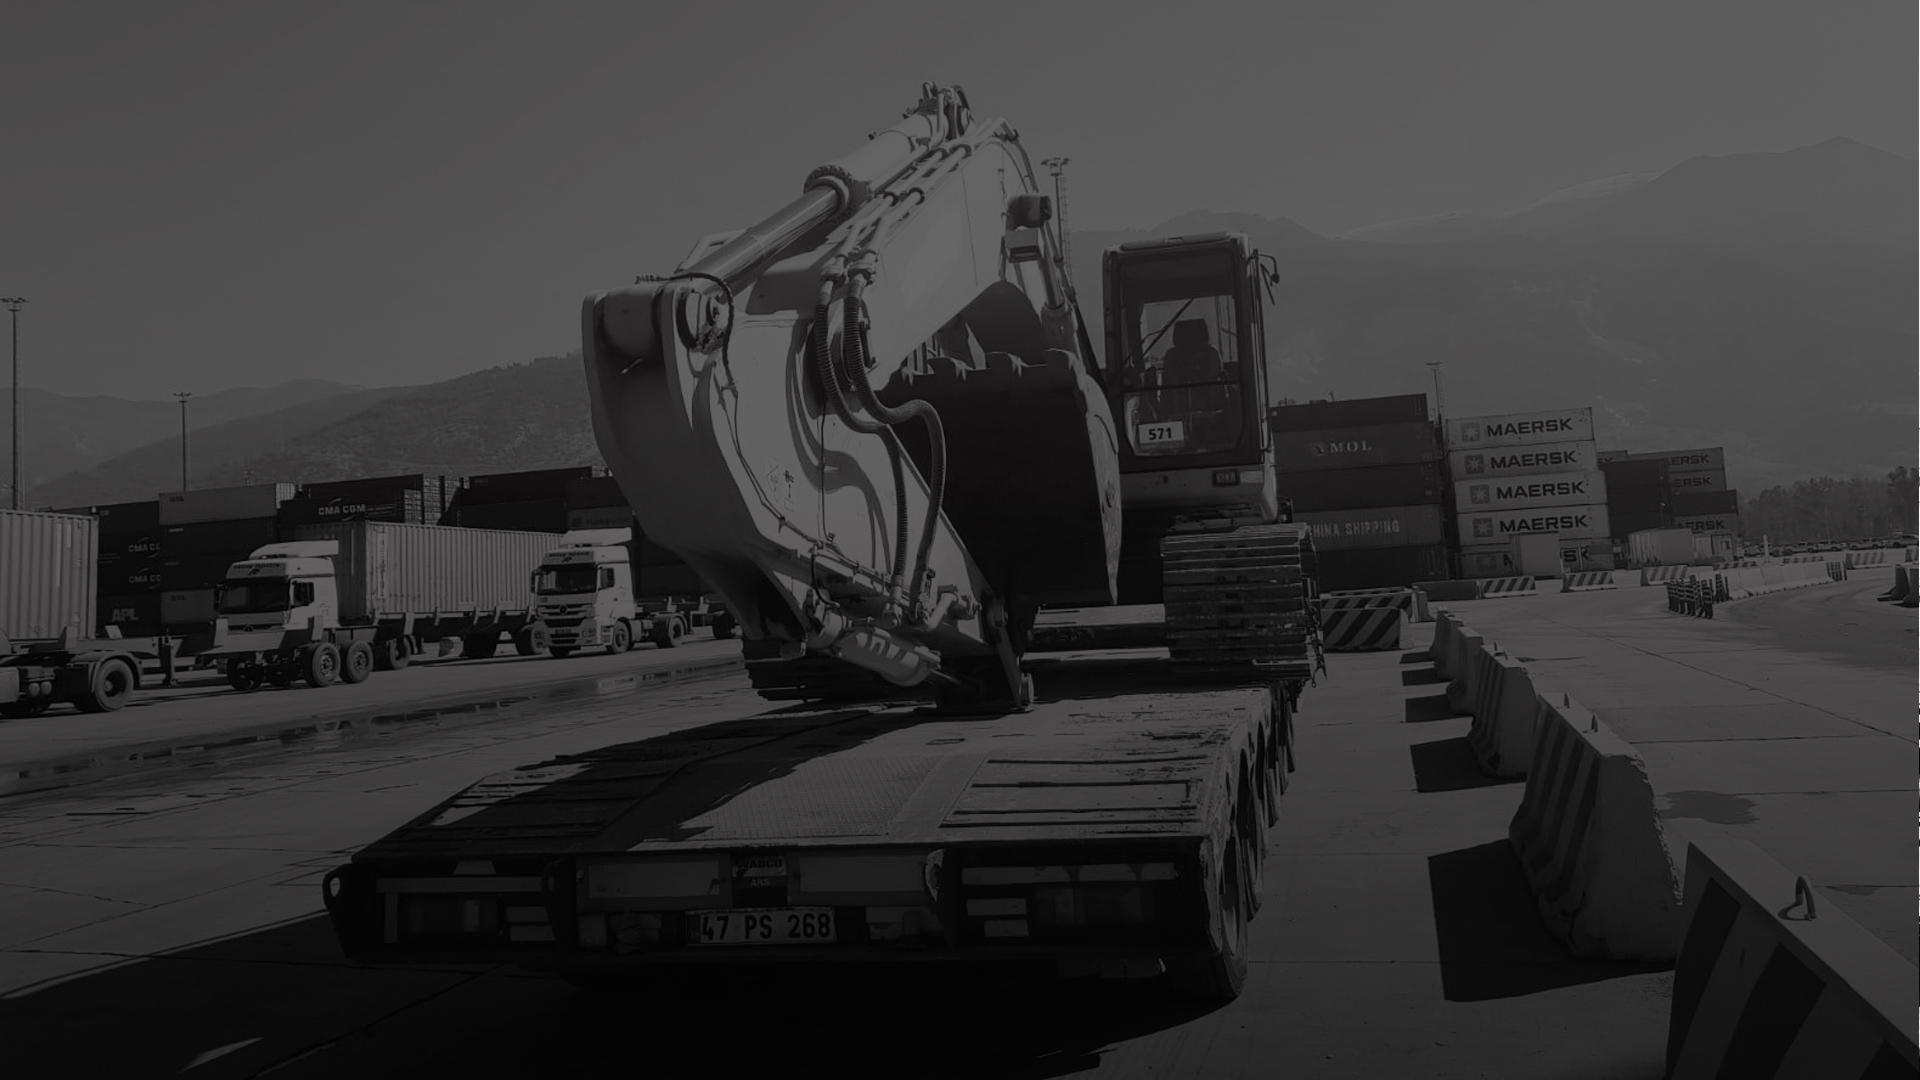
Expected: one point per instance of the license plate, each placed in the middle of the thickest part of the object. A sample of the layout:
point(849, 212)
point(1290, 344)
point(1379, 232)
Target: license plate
point(1169, 433)
point(764, 926)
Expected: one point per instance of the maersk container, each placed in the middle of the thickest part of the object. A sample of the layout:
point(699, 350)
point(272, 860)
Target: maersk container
point(1522, 460)
point(1704, 481)
point(1697, 460)
point(1520, 492)
point(1358, 412)
point(1520, 429)
point(1382, 527)
point(1708, 523)
point(1570, 522)
point(1354, 447)
point(223, 504)
point(48, 568)
point(1379, 568)
point(1354, 489)
point(390, 569)
point(1661, 547)
point(1710, 502)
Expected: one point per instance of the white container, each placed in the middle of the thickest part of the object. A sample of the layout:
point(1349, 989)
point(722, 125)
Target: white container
point(1520, 492)
point(1521, 429)
point(1662, 547)
point(1497, 526)
point(388, 568)
point(223, 504)
point(1522, 460)
point(47, 574)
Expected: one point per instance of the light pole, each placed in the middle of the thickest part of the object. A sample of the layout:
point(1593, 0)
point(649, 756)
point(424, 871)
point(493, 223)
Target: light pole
point(19, 496)
point(1439, 409)
point(1059, 166)
point(182, 397)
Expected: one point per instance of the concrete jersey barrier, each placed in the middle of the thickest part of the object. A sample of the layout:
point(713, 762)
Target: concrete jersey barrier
point(1506, 712)
point(1660, 575)
point(1587, 581)
point(1362, 629)
point(1489, 588)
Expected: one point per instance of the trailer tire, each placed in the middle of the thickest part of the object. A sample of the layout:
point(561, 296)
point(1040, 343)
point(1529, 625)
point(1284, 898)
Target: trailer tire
point(619, 638)
point(480, 646)
point(243, 675)
point(109, 684)
point(391, 654)
point(524, 644)
point(724, 626)
point(1221, 974)
point(356, 664)
point(320, 665)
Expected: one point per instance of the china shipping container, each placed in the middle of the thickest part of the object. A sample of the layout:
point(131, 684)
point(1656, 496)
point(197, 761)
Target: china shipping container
point(217, 537)
point(1520, 429)
point(1379, 568)
point(541, 515)
point(1522, 460)
point(223, 504)
point(1354, 447)
point(1354, 489)
point(1698, 482)
point(1540, 489)
point(1712, 502)
point(595, 493)
point(1629, 474)
point(1381, 527)
point(387, 569)
point(1696, 460)
point(1655, 499)
point(519, 487)
point(1570, 522)
point(48, 567)
point(1358, 412)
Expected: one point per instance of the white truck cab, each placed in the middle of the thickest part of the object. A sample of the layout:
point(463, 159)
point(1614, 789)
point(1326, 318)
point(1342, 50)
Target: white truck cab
point(282, 586)
point(583, 591)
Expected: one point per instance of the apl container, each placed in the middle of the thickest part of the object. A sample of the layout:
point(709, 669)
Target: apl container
point(1384, 527)
point(392, 569)
point(135, 614)
point(1520, 429)
point(1354, 447)
point(1519, 492)
point(223, 504)
point(1697, 483)
point(1570, 522)
point(1354, 489)
point(47, 574)
point(1564, 457)
point(1358, 412)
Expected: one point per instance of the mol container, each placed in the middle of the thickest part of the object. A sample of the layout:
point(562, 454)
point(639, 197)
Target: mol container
point(389, 568)
point(1354, 447)
point(1566, 457)
point(47, 574)
point(1518, 492)
point(1661, 547)
point(1382, 527)
point(1521, 429)
point(1497, 526)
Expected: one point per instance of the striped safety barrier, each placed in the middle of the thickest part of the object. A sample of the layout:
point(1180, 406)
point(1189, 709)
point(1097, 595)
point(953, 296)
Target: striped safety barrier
point(1505, 711)
point(1773, 981)
point(1837, 569)
point(1694, 596)
point(1362, 629)
point(1660, 575)
point(1590, 842)
point(1857, 559)
point(1903, 585)
point(1410, 600)
point(1489, 588)
point(1587, 581)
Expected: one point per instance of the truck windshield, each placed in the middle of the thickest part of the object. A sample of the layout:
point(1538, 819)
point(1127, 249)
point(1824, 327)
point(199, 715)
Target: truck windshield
point(558, 580)
point(258, 595)
point(1182, 375)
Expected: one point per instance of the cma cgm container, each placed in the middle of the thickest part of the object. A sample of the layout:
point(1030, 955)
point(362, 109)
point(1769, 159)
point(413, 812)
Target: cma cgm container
point(1353, 489)
point(1567, 457)
point(47, 574)
point(1570, 522)
point(1696, 483)
point(1519, 492)
point(1382, 527)
point(1354, 447)
point(1520, 429)
point(386, 569)
point(1358, 412)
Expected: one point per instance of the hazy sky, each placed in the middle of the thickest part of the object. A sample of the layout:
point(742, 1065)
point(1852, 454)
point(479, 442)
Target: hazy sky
point(202, 195)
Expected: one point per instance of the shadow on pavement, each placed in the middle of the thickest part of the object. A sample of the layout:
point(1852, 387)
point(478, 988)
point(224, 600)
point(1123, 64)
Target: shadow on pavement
point(1427, 677)
point(1423, 710)
point(1418, 656)
point(1449, 765)
point(1492, 942)
point(281, 999)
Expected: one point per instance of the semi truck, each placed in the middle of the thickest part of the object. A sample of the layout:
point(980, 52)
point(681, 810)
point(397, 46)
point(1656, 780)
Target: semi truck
point(875, 424)
point(338, 602)
point(49, 651)
point(585, 599)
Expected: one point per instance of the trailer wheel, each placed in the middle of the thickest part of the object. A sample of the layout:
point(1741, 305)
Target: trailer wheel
point(321, 665)
point(243, 676)
point(1222, 974)
point(724, 626)
point(524, 644)
point(391, 654)
point(356, 663)
point(480, 646)
point(619, 639)
point(109, 685)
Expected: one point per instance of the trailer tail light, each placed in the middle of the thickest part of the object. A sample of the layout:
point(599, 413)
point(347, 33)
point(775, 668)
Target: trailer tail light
point(1010, 903)
point(1093, 905)
point(902, 924)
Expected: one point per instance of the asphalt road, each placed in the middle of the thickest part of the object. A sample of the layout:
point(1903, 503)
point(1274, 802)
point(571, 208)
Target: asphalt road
point(167, 922)
point(1841, 622)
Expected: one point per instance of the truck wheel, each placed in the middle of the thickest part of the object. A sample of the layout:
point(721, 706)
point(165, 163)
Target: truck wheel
point(356, 663)
point(619, 639)
point(523, 643)
point(243, 676)
point(723, 626)
point(480, 646)
point(391, 654)
point(561, 652)
point(109, 685)
point(1222, 974)
point(321, 665)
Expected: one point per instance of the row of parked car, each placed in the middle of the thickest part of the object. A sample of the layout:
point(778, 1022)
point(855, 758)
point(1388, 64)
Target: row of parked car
point(1822, 546)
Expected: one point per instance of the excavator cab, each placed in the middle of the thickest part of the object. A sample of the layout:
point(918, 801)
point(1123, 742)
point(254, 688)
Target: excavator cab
point(1186, 379)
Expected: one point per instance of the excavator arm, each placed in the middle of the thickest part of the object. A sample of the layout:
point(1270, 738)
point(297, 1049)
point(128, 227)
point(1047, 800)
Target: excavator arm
point(866, 420)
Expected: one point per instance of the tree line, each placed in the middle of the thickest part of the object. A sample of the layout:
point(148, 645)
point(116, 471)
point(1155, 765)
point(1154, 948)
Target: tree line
point(1827, 508)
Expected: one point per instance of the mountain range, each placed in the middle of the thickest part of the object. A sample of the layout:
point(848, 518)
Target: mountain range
point(1761, 302)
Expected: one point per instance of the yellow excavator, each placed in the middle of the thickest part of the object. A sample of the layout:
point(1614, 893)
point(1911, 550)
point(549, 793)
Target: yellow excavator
point(876, 424)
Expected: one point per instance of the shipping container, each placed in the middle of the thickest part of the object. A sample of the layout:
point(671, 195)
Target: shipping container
point(1606, 456)
point(1697, 460)
point(186, 609)
point(1354, 447)
point(1625, 525)
point(197, 571)
point(1383, 527)
point(370, 489)
point(406, 507)
point(1633, 474)
point(1708, 523)
point(1379, 568)
point(1522, 460)
point(391, 569)
point(135, 614)
point(1541, 489)
point(1661, 547)
point(1359, 412)
point(1711, 502)
point(1639, 500)
point(217, 537)
point(223, 504)
point(542, 515)
point(520, 487)
point(1520, 429)
point(1704, 481)
point(1354, 489)
point(133, 546)
point(123, 576)
point(1489, 560)
point(48, 567)
point(595, 493)
point(1570, 522)
point(606, 517)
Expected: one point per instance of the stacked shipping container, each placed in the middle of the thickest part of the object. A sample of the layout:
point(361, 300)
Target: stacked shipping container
point(1366, 476)
point(129, 567)
point(533, 501)
point(1527, 473)
point(412, 499)
point(201, 534)
point(1675, 488)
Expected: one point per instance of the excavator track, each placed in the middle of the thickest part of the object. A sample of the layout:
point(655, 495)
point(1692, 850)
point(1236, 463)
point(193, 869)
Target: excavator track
point(823, 678)
point(1239, 604)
